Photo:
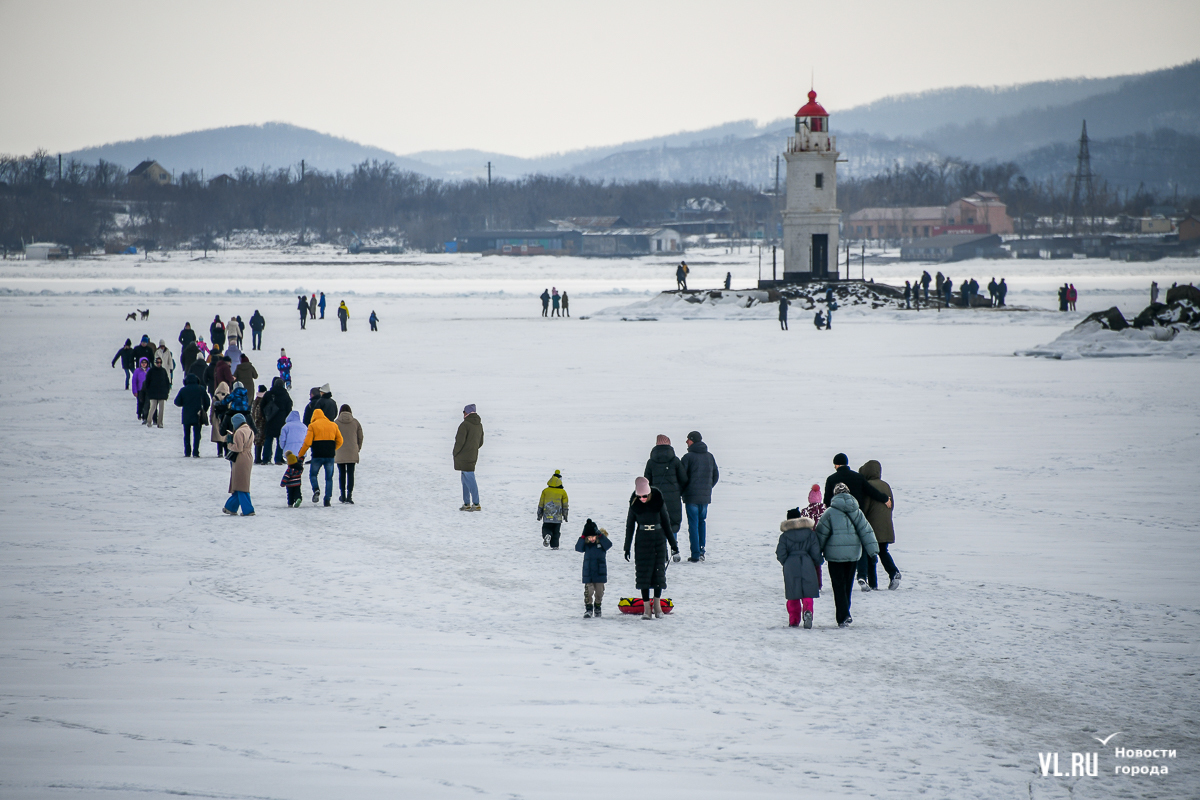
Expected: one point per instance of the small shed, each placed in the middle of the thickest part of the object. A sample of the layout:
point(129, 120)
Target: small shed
point(46, 251)
point(1189, 229)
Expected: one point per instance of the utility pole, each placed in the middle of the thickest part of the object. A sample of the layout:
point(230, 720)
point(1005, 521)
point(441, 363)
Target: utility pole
point(303, 204)
point(1083, 182)
point(487, 223)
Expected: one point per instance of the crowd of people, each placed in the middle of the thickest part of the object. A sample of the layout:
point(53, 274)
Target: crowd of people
point(310, 306)
point(555, 304)
point(846, 529)
point(249, 427)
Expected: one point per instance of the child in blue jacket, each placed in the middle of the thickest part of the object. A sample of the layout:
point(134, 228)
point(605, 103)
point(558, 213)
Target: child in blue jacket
point(593, 543)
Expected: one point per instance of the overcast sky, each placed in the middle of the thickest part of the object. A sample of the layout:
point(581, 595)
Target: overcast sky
point(528, 78)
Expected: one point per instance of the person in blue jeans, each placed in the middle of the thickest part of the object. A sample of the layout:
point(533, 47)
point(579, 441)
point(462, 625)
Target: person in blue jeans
point(324, 437)
point(700, 476)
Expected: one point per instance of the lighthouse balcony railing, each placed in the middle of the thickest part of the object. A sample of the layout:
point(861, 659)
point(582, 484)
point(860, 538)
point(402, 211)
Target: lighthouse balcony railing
point(807, 142)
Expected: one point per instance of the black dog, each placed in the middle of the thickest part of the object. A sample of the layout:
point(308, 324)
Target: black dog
point(132, 315)
point(145, 314)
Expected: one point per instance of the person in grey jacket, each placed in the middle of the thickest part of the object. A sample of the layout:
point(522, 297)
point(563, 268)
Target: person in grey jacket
point(665, 473)
point(844, 533)
point(700, 475)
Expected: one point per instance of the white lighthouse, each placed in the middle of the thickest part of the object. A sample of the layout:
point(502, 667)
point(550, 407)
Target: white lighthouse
point(810, 221)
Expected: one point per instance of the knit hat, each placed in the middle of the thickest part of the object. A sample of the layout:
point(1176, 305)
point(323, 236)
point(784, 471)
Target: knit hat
point(814, 494)
point(238, 421)
point(695, 436)
point(290, 457)
point(841, 488)
point(469, 409)
point(840, 460)
point(662, 439)
point(641, 486)
point(325, 389)
point(237, 385)
point(590, 529)
point(162, 342)
point(793, 513)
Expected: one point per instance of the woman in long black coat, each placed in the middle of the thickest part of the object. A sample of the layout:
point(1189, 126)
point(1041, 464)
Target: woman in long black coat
point(276, 404)
point(648, 516)
point(665, 473)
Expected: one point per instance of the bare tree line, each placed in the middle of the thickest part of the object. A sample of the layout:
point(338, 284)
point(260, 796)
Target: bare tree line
point(79, 207)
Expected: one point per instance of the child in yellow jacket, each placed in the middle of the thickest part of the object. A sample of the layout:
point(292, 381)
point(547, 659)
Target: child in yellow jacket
point(552, 510)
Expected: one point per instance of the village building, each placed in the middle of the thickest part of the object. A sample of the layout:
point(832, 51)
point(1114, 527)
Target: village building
point(952, 247)
point(979, 213)
point(149, 172)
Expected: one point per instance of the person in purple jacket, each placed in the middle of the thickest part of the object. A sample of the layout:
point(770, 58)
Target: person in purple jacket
point(138, 382)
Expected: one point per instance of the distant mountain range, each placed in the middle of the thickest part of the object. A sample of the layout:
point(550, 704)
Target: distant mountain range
point(1036, 124)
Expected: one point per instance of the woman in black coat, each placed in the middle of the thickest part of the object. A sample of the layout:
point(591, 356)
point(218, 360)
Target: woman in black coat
point(276, 404)
point(648, 515)
point(665, 473)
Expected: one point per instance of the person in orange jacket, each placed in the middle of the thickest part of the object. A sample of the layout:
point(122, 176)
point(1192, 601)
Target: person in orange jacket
point(324, 437)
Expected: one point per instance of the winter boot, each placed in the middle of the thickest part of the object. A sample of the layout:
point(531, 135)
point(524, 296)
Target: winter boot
point(807, 620)
point(657, 608)
point(894, 583)
point(646, 610)
point(341, 498)
point(597, 609)
point(326, 502)
point(350, 498)
point(587, 614)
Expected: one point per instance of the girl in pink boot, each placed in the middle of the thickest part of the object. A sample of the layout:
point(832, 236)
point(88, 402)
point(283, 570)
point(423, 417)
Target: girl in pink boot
point(800, 554)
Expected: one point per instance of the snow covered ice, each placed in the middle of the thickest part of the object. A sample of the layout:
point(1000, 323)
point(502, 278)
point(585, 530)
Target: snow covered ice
point(1046, 531)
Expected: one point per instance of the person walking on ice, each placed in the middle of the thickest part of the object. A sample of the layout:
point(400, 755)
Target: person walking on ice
point(783, 311)
point(648, 518)
point(555, 300)
point(800, 555)
point(324, 437)
point(240, 444)
point(566, 304)
point(879, 515)
point(343, 315)
point(467, 441)
point(552, 510)
point(374, 320)
point(594, 544)
point(321, 305)
point(545, 297)
point(293, 476)
point(844, 534)
point(700, 476)
point(303, 306)
point(284, 365)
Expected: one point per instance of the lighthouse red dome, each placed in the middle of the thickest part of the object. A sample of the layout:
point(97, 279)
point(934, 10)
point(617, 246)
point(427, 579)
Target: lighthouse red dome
point(812, 108)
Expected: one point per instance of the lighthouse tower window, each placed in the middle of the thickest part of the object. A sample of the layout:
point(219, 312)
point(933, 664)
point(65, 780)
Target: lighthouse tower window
point(820, 180)
point(816, 124)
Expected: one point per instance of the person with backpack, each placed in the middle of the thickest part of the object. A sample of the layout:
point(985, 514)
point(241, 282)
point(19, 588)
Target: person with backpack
point(192, 399)
point(552, 510)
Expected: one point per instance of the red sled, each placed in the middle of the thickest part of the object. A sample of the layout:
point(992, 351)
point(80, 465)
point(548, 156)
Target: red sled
point(633, 605)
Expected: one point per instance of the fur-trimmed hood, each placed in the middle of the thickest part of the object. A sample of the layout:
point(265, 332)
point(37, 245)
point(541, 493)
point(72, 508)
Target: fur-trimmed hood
point(793, 524)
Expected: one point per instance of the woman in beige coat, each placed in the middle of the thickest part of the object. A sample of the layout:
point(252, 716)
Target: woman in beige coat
point(241, 455)
point(346, 456)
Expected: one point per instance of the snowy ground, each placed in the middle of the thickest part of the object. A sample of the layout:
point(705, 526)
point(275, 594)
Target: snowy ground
point(398, 648)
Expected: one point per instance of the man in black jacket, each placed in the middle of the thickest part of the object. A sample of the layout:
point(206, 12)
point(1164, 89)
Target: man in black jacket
point(128, 360)
point(194, 401)
point(860, 490)
point(276, 405)
point(158, 389)
point(700, 476)
point(143, 349)
point(321, 398)
point(257, 323)
point(186, 336)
